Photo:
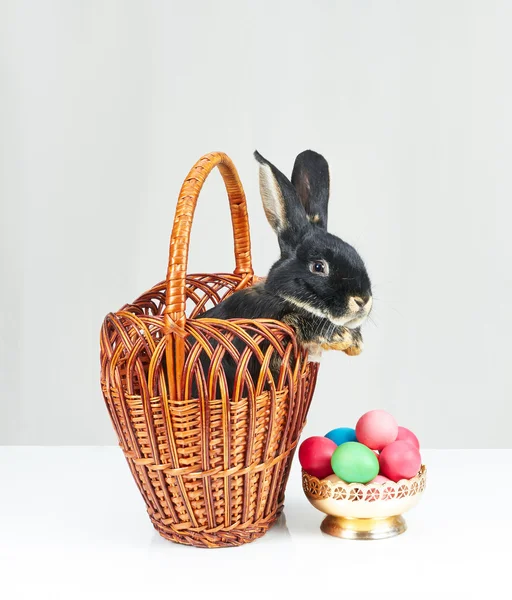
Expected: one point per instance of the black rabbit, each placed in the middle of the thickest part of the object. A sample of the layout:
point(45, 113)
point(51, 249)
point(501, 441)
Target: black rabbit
point(319, 286)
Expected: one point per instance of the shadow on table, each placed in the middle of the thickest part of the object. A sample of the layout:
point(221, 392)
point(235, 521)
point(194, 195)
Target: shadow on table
point(278, 533)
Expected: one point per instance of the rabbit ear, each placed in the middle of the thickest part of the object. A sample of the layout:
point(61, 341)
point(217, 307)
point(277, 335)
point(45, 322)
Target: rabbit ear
point(284, 212)
point(310, 178)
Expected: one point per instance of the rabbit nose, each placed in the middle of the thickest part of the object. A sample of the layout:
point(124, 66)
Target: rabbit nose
point(356, 303)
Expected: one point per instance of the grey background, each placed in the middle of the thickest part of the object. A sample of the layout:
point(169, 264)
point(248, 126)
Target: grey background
point(104, 107)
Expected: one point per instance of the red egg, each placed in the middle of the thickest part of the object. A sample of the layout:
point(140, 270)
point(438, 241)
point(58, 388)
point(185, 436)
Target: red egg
point(376, 429)
point(399, 460)
point(315, 456)
point(407, 435)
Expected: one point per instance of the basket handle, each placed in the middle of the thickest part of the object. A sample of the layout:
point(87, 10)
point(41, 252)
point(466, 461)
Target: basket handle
point(175, 297)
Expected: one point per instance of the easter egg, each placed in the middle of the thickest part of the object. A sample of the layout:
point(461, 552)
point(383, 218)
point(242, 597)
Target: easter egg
point(379, 479)
point(354, 463)
point(407, 435)
point(400, 460)
point(334, 479)
point(376, 429)
point(315, 456)
point(341, 435)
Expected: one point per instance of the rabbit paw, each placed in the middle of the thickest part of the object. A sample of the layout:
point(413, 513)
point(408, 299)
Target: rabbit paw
point(349, 341)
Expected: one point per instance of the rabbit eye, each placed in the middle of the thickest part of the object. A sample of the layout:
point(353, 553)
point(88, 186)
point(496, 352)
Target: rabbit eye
point(319, 267)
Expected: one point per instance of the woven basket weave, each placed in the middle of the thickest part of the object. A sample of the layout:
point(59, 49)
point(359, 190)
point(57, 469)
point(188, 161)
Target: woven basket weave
point(212, 468)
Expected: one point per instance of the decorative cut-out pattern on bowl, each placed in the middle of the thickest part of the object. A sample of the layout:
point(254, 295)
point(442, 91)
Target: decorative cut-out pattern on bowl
point(320, 489)
point(363, 501)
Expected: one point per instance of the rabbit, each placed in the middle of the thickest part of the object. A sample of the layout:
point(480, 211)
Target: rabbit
point(319, 286)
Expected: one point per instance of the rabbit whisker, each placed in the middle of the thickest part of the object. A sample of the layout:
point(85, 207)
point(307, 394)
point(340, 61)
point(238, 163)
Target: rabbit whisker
point(332, 329)
point(371, 320)
point(391, 306)
point(320, 328)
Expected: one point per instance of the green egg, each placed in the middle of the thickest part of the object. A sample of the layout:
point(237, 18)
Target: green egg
point(355, 463)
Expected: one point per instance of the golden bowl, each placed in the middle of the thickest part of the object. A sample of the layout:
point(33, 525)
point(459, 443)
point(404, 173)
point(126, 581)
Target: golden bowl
point(357, 511)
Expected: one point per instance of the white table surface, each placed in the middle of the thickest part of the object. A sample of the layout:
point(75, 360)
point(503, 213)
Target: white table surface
point(72, 526)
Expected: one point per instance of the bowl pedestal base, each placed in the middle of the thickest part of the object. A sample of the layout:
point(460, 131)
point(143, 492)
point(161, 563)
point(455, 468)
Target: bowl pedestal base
point(363, 529)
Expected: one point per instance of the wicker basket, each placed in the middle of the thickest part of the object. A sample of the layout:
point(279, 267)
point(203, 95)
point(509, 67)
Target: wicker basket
point(211, 468)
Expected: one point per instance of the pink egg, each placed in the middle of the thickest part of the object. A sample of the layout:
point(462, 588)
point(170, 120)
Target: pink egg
point(376, 429)
point(379, 479)
point(407, 435)
point(400, 460)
